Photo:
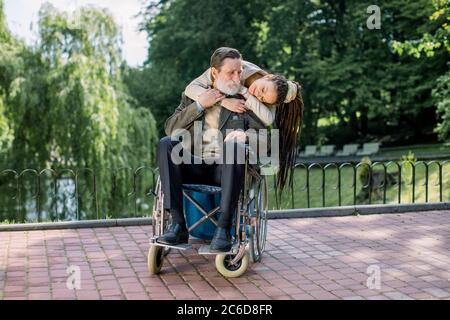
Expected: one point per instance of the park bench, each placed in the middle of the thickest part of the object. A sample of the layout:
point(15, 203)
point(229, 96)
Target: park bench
point(348, 150)
point(369, 149)
point(309, 151)
point(327, 150)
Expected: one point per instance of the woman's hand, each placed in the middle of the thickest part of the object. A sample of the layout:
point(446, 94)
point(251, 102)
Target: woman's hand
point(234, 105)
point(209, 98)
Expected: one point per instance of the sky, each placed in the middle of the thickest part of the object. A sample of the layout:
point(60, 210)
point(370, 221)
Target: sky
point(22, 15)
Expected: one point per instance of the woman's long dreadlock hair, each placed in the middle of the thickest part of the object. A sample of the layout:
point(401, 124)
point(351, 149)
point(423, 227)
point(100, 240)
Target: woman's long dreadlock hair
point(288, 120)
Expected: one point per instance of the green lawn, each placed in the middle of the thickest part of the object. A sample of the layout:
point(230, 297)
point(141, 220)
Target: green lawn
point(299, 198)
point(418, 150)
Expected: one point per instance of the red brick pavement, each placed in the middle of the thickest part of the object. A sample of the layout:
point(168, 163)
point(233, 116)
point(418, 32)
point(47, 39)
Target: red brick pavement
point(314, 258)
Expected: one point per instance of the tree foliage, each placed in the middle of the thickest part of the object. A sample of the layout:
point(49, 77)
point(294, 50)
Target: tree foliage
point(183, 35)
point(67, 106)
point(70, 101)
point(9, 50)
point(431, 44)
point(350, 74)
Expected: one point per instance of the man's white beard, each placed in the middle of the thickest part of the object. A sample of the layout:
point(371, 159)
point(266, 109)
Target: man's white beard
point(229, 89)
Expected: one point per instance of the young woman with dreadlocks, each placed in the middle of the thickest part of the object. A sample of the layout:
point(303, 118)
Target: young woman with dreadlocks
point(274, 99)
point(286, 96)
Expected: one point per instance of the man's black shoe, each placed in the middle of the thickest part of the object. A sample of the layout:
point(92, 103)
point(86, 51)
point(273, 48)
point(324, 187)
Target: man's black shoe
point(177, 234)
point(221, 241)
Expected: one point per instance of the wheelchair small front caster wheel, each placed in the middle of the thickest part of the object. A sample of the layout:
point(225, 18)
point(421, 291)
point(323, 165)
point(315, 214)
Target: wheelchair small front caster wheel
point(155, 259)
point(228, 270)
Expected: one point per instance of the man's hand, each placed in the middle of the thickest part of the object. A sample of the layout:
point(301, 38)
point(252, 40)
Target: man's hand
point(210, 97)
point(239, 135)
point(234, 105)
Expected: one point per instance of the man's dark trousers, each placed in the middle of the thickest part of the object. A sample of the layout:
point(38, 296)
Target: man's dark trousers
point(228, 176)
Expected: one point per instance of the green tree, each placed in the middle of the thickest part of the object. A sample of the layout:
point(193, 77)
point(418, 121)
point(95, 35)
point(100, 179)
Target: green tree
point(9, 50)
point(183, 34)
point(69, 108)
point(433, 43)
point(349, 72)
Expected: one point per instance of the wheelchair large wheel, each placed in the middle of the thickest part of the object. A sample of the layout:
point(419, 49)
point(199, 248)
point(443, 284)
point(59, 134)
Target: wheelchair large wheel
point(155, 259)
point(160, 219)
point(226, 269)
point(258, 228)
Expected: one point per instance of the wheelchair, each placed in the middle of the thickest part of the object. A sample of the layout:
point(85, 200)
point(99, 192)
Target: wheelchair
point(201, 204)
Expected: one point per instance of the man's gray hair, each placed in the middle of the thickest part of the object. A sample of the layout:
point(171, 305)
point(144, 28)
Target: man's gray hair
point(221, 54)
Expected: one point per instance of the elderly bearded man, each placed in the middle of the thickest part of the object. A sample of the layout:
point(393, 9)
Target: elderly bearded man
point(214, 167)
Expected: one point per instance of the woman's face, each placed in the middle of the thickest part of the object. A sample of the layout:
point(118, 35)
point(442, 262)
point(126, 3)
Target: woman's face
point(264, 90)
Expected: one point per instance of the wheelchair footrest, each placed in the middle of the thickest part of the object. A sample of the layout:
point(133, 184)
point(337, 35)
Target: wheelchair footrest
point(184, 246)
point(206, 249)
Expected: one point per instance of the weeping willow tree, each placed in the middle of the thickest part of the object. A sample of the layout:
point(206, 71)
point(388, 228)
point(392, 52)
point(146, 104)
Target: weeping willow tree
point(8, 66)
point(70, 110)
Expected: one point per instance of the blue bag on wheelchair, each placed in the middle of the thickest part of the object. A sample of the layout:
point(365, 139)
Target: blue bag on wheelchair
point(208, 202)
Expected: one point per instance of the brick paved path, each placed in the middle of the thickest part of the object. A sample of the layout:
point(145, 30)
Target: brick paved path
point(317, 258)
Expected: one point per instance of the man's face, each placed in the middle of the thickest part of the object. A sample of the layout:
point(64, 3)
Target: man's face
point(228, 78)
